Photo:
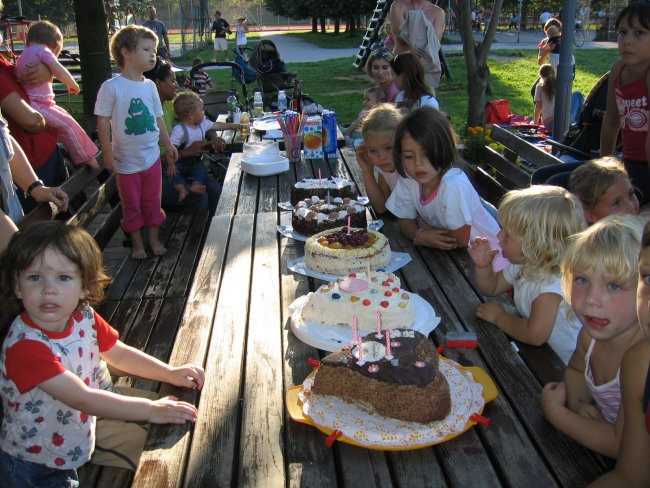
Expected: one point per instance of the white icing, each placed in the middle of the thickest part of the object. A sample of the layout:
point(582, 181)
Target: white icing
point(342, 214)
point(335, 183)
point(322, 216)
point(337, 200)
point(357, 207)
point(372, 351)
point(302, 212)
point(315, 199)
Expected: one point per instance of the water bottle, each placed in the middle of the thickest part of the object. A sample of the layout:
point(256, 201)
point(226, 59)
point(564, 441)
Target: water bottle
point(258, 104)
point(231, 104)
point(282, 100)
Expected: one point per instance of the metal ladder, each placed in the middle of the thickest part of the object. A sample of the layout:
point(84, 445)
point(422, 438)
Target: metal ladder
point(372, 32)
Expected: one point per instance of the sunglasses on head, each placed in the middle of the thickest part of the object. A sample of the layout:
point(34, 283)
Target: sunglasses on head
point(381, 53)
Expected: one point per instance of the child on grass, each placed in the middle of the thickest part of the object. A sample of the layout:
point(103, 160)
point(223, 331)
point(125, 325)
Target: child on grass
point(535, 225)
point(43, 44)
point(632, 468)
point(375, 154)
point(604, 188)
point(599, 277)
point(50, 359)
point(129, 123)
point(435, 202)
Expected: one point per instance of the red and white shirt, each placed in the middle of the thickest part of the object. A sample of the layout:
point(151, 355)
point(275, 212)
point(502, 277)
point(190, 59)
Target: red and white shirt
point(37, 427)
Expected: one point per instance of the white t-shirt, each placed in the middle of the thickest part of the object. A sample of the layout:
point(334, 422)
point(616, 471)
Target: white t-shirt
point(424, 101)
point(133, 107)
point(544, 18)
point(548, 104)
point(194, 134)
point(567, 326)
point(240, 35)
point(454, 205)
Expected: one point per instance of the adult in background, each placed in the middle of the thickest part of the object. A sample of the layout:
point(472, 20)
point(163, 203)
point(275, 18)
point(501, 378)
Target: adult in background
point(165, 80)
point(545, 17)
point(378, 68)
point(221, 28)
point(28, 127)
point(418, 27)
point(161, 31)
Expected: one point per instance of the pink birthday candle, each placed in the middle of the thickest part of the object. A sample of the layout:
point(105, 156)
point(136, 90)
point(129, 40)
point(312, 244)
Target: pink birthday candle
point(360, 362)
point(349, 217)
point(389, 356)
point(378, 324)
point(355, 337)
point(319, 175)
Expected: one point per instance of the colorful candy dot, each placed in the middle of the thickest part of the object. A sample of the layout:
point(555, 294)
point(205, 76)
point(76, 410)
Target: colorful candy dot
point(390, 280)
point(384, 304)
point(352, 275)
point(373, 291)
point(402, 305)
point(374, 279)
point(336, 296)
point(373, 368)
point(366, 302)
point(354, 299)
point(420, 364)
point(385, 283)
point(388, 294)
point(325, 290)
point(330, 285)
point(395, 343)
point(395, 290)
point(405, 296)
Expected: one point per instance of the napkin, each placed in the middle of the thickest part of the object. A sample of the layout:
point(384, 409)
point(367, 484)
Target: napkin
point(262, 151)
point(312, 108)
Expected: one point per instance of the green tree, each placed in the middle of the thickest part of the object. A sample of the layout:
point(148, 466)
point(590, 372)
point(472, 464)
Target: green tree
point(60, 12)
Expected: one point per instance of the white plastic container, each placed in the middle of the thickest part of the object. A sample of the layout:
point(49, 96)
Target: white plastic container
point(282, 100)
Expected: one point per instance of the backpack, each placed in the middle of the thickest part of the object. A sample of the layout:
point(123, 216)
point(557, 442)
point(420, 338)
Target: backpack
point(497, 112)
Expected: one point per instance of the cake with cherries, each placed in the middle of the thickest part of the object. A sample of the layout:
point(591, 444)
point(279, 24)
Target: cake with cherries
point(404, 383)
point(339, 253)
point(360, 295)
point(333, 186)
point(315, 214)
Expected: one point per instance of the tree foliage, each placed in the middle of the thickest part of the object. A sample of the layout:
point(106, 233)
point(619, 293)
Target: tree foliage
point(332, 9)
point(60, 12)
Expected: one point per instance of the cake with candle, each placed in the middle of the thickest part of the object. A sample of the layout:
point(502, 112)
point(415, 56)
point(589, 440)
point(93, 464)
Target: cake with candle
point(396, 377)
point(333, 186)
point(361, 296)
point(315, 214)
point(341, 251)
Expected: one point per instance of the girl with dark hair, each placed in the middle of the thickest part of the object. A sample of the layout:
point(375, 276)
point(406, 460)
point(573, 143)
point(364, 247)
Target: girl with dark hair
point(409, 78)
point(545, 97)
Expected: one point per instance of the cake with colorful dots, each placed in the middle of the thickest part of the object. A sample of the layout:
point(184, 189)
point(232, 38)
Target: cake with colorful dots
point(315, 214)
point(360, 295)
point(333, 186)
point(401, 380)
point(337, 252)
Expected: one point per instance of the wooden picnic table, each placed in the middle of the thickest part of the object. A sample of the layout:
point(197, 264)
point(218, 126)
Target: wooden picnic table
point(237, 324)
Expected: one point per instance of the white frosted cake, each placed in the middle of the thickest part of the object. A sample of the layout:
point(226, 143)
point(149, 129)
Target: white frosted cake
point(335, 252)
point(333, 186)
point(337, 302)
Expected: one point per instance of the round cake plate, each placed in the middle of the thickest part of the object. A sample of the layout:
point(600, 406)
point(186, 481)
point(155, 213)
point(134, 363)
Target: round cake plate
point(288, 207)
point(333, 337)
point(267, 122)
point(489, 393)
point(397, 260)
point(287, 230)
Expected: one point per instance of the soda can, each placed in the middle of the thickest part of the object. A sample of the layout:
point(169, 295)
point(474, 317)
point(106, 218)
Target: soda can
point(330, 134)
point(312, 139)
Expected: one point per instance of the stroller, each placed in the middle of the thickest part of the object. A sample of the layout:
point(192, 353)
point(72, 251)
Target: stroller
point(272, 74)
point(215, 101)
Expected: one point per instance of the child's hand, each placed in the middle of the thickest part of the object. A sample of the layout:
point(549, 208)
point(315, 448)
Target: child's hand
point(169, 410)
point(171, 170)
point(489, 312)
point(188, 375)
point(438, 238)
point(553, 399)
point(73, 88)
point(481, 252)
point(171, 154)
point(363, 159)
point(589, 411)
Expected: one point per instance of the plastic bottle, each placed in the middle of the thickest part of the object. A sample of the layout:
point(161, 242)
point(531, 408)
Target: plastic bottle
point(296, 101)
point(258, 104)
point(245, 124)
point(282, 100)
point(231, 104)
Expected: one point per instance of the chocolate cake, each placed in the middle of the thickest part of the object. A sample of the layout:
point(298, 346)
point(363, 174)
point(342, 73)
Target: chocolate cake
point(333, 186)
point(409, 386)
point(315, 214)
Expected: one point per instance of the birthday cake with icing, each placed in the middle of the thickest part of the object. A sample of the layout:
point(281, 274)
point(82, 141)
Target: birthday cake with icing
point(333, 186)
point(315, 214)
point(338, 252)
point(404, 383)
point(360, 295)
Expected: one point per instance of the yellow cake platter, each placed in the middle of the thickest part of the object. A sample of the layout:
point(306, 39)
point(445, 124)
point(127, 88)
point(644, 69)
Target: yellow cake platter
point(489, 393)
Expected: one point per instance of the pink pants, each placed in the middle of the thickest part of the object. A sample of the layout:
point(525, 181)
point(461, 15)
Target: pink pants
point(140, 194)
point(75, 140)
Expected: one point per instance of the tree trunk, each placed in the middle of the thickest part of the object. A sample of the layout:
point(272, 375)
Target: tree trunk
point(323, 27)
point(337, 26)
point(314, 24)
point(92, 32)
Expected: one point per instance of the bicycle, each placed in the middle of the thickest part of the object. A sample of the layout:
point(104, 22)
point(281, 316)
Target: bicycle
point(579, 35)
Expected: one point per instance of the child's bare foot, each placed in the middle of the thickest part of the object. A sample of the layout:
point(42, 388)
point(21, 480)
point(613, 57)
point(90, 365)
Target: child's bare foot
point(182, 191)
point(157, 248)
point(92, 162)
point(197, 187)
point(138, 252)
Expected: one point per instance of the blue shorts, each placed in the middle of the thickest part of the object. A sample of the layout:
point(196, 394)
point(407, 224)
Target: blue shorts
point(16, 473)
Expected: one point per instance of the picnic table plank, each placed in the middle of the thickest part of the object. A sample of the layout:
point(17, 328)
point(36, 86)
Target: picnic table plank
point(215, 445)
point(180, 282)
point(533, 153)
point(163, 461)
point(230, 188)
point(261, 461)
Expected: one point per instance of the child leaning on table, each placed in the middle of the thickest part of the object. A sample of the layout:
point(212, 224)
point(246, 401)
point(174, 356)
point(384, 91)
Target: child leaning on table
point(44, 43)
point(375, 154)
point(189, 137)
point(632, 468)
point(129, 123)
point(599, 278)
point(435, 202)
point(604, 188)
point(535, 225)
point(50, 359)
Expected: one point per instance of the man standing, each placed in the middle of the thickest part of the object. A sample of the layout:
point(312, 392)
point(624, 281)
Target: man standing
point(220, 28)
point(545, 17)
point(418, 27)
point(161, 31)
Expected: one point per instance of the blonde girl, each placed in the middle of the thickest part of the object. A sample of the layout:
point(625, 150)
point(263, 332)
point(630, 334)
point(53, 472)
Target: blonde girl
point(535, 225)
point(632, 468)
point(375, 154)
point(599, 278)
point(604, 188)
point(52, 275)
point(545, 97)
point(435, 202)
